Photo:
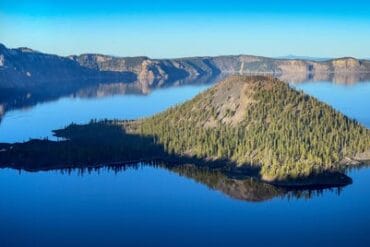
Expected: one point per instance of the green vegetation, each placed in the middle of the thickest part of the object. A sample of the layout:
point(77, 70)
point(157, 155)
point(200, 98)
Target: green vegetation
point(94, 144)
point(258, 121)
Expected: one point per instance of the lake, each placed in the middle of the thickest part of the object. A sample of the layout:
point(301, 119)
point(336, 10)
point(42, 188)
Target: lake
point(145, 205)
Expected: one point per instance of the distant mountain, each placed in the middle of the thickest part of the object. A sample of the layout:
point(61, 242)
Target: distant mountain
point(294, 57)
point(23, 67)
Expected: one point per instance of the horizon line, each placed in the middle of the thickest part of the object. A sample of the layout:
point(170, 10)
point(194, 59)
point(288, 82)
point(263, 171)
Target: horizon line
point(282, 57)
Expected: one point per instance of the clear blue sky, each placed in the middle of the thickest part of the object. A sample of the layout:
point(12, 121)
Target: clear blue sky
point(163, 28)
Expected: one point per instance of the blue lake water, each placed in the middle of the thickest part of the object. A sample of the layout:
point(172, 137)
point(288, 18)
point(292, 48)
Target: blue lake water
point(40, 120)
point(149, 206)
point(352, 100)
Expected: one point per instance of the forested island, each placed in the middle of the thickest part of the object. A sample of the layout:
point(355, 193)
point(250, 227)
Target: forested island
point(259, 121)
point(255, 125)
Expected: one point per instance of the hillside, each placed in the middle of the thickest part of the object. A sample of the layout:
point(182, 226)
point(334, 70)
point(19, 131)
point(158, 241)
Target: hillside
point(23, 68)
point(259, 121)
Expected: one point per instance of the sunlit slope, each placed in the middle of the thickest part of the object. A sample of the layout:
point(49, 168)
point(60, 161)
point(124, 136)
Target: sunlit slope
point(259, 121)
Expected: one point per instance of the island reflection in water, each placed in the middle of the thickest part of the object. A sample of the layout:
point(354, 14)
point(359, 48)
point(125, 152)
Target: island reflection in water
point(242, 188)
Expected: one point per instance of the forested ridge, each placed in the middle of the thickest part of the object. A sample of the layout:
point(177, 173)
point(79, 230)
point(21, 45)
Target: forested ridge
point(258, 121)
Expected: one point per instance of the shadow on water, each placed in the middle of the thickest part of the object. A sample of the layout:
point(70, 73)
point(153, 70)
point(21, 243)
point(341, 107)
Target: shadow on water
point(98, 145)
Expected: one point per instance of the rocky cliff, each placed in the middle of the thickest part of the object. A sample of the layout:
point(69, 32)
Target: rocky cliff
point(160, 71)
point(24, 67)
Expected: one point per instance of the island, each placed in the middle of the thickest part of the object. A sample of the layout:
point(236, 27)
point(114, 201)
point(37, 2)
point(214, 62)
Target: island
point(256, 126)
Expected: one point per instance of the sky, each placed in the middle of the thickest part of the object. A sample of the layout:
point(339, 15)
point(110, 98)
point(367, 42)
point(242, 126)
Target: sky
point(167, 29)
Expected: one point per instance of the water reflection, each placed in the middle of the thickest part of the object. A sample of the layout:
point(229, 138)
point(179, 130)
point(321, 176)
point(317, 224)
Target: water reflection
point(336, 78)
point(245, 188)
point(12, 99)
point(238, 188)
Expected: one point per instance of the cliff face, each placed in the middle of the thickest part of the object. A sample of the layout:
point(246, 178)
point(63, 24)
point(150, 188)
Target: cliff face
point(109, 63)
point(161, 71)
point(24, 67)
point(152, 71)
